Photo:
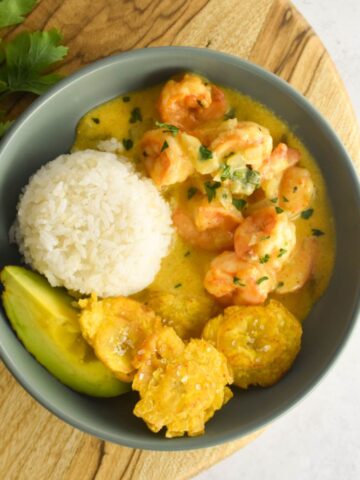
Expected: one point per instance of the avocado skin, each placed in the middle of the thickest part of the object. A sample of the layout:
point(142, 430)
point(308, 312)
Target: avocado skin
point(47, 324)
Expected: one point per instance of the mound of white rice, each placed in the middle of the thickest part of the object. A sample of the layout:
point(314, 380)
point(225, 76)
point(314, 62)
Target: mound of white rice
point(89, 223)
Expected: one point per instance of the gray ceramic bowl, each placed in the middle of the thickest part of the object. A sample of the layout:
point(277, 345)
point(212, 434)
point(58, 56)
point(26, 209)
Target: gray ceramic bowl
point(47, 129)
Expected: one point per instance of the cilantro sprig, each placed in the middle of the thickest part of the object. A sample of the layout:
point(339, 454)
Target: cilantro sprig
point(25, 60)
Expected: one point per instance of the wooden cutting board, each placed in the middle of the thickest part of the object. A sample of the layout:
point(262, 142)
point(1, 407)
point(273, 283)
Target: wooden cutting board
point(34, 443)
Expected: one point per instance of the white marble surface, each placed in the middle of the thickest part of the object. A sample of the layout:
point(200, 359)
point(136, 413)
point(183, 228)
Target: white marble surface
point(320, 438)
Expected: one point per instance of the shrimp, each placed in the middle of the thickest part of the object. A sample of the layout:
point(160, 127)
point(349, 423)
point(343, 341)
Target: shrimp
point(168, 158)
point(247, 143)
point(213, 214)
point(296, 190)
point(281, 158)
point(213, 239)
point(236, 281)
point(267, 236)
point(190, 101)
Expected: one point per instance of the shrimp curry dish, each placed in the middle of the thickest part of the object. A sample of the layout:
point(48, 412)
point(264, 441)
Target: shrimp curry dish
point(251, 249)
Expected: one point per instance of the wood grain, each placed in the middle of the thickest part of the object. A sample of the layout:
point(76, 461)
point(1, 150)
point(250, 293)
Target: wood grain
point(35, 444)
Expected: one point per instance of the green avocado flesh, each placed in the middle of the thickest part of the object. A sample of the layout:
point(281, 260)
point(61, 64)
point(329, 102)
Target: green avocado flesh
point(47, 324)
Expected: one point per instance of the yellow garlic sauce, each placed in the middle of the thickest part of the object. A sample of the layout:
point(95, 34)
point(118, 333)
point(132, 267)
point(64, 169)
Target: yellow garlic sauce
point(185, 266)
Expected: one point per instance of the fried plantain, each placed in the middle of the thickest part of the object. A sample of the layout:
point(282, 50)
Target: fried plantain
point(184, 391)
point(116, 327)
point(260, 342)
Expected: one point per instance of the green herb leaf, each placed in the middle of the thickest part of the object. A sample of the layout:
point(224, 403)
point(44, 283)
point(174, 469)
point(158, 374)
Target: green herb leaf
point(191, 192)
point(285, 199)
point(4, 126)
point(266, 237)
point(279, 210)
point(280, 284)
point(239, 203)
point(96, 120)
point(205, 153)
point(225, 172)
point(165, 145)
point(187, 253)
point(317, 233)
point(274, 200)
point(178, 285)
point(12, 11)
point(126, 99)
point(168, 128)
point(128, 143)
point(238, 282)
point(253, 177)
point(265, 258)
point(282, 252)
point(135, 115)
point(27, 56)
point(305, 214)
point(210, 188)
point(261, 280)
point(231, 113)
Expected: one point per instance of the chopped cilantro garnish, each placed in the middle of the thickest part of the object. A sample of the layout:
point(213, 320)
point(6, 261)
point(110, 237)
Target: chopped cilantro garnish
point(239, 203)
point(96, 120)
point(285, 199)
point(205, 153)
point(238, 282)
point(261, 280)
point(265, 258)
point(279, 210)
point(135, 115)
point(128, 143)
point(12, 11)
point(225, 173)
point(165, 145)
point(191, 192)
point(168, 128)
point(280, 284)
point(274, 200)
point(282, 252)
point(186, 254)
point(210, 188)
point(178, 285)
point(317, 233)
point(253, 177)
point(231, 113)
point(126, 99)
point(305, 214)
point(265, 237)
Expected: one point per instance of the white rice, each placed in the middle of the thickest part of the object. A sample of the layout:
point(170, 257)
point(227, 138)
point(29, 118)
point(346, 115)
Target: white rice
point(89, 223)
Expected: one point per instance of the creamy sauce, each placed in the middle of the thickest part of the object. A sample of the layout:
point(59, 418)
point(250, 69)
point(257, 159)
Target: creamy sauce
point(184, 268)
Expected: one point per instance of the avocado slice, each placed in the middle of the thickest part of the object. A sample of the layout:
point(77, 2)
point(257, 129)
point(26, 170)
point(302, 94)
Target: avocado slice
point(46, 322)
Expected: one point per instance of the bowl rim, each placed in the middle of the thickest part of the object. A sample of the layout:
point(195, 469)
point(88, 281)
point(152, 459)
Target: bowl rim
point(281, 410)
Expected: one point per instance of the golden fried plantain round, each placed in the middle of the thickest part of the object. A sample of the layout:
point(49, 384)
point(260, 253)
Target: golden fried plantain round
point(185, 391)
point(116, 327)
point(260, 342)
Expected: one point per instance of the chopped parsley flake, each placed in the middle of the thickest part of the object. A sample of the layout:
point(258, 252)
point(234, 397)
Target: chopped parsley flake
point(317, 233)
point(231, 113)
point(265, 238)
point(239, 203)
point(238, 282)
point(261, 280)
point(128, 143)
point(280, 284)
point(96, 120)
point(264, 259)
point(282, 252)
point(191, 192)
point(226, 172)
point(274, 200)
point(305, 214)
point(205, 153)
point(178, 285)
point(210, 188)
point(165, 145)
point(135, 115)
point(285, 199)
point(168, 128)
point(126, 99)
point(279, 210)
point(186, 254)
